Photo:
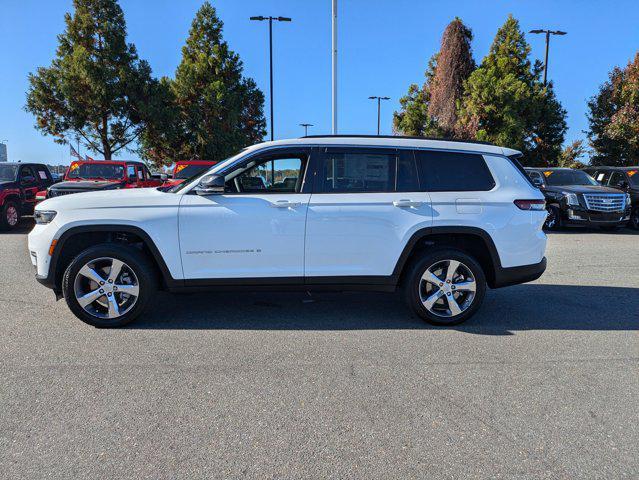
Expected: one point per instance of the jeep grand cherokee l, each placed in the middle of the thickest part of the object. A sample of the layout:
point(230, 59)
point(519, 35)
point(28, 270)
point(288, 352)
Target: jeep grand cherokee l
point(574, 198)
point(440, 219)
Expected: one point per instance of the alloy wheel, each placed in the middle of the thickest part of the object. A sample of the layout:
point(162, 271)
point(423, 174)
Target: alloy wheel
point(12, 216)
point(447, 288)
point(106, 288)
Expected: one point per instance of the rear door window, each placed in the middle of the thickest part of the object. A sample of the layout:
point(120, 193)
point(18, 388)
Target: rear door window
point(358, 171)
point(453, 172)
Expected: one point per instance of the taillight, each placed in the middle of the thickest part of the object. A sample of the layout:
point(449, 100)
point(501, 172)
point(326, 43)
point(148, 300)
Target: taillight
point(531, 204)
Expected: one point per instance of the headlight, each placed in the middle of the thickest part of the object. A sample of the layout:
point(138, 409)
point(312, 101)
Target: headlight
point(571, 199)
point(42, 217)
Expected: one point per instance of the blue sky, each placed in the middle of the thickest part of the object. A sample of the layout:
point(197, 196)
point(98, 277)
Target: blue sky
point(384, 46)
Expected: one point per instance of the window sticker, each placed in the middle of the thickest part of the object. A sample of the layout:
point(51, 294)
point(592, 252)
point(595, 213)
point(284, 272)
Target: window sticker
point(43, 174)
point(600, 177)
point(179, 168)
point(548, 173)
point(632, 172)
point(74, 166)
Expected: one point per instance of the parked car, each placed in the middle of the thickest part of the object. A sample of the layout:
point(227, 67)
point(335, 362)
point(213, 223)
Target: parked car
point(185, 169)
point(574, 198)
point(89, 176)
point(19, 183)
point(441, 219)
point(622, 178)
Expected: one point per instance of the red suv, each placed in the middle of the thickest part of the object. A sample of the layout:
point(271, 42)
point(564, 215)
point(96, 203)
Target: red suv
point(89, 176)
point(19, 183)
point(186, 169)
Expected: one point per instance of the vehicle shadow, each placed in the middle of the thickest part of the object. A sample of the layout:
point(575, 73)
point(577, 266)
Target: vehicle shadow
point(505, 311)
point(25, 226)
point(577, 230)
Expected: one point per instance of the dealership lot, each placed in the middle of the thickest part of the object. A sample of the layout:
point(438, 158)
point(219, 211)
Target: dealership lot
point(542, 383)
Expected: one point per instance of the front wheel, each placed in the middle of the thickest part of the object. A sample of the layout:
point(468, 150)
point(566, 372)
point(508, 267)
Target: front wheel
point(445, 287)
point(634, 219)
point(109, 285)
point(553, 220)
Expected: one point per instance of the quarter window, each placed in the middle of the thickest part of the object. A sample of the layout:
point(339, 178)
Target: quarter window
point(358, 172)
point(453, 172)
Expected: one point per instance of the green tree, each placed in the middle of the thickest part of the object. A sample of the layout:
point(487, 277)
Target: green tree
point(571, 154)
point(506, 103)
point(96, 88)
point(614, 118)
point(455, 63)
point(211, 110)
point(413, 118)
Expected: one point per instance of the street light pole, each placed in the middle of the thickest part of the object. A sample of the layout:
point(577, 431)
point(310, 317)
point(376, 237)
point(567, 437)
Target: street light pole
point(548, 34)
point(306, 125)
point(379, 101)
point(270, 48)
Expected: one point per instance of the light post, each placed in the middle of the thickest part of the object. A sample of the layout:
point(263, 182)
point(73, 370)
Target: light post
point(548, 34)
point(270, 43)
point(306, 125)
point(379, 100)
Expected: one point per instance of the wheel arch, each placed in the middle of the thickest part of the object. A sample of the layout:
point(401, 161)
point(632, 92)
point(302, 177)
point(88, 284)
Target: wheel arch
point(80, 237)
point(472, 240)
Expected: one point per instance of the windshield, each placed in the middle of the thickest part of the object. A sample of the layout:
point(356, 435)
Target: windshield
point(217, 167)
point(108, 171)
point(633, 175)
point(8, 173)
point(183, 172)
point(568, 177)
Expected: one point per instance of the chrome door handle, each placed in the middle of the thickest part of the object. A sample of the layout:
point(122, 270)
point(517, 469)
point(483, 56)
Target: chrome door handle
point(285, 204)
point(407, 203)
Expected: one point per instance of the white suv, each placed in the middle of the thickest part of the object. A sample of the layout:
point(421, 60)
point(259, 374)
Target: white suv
point(441, 219)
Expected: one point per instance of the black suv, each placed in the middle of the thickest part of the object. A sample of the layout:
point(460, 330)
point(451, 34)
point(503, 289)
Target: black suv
point(622, 178)
point(575, 198)
point(19, 184)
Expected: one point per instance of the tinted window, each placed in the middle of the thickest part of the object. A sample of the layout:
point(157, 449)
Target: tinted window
point(95, 170)
point(407, 180)
point(633, 177)
point(27, 173)
point(453, 172)
point(358, 172)
point(185, 171)
point(568, 177)
point(617, 179)
point(8, 173)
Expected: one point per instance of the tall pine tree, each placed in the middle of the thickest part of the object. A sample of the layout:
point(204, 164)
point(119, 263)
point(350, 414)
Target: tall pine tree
point(614, 118)
point(455, 63)
point(96, 88)
point(212, 111)
point(506, 103)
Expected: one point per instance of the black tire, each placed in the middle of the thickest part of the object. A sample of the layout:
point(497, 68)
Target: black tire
point(7, 219)
point(412, 285)
point(553, 220)
point(634, 219)
point(136, 260)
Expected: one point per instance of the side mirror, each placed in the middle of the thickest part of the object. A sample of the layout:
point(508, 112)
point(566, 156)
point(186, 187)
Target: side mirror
point(210, 185)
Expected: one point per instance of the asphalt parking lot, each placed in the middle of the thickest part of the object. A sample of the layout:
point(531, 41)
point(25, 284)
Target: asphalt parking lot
point(542, 383)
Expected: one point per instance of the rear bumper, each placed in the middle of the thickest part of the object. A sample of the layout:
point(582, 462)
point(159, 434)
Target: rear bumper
point(505, 277)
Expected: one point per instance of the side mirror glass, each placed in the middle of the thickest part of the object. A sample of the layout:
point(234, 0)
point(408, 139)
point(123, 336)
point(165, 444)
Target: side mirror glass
point(210, 185)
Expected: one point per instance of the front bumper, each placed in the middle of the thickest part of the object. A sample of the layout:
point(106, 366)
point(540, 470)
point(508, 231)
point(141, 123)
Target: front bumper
point(39, 243)
point(591, 218)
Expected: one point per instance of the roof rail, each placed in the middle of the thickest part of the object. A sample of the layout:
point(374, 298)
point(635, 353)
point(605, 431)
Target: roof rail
point(410, 137)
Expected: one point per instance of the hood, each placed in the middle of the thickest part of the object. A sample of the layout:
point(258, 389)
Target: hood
point(87, 185)
point(581, 189)
point(7, 184)
point(126, 197)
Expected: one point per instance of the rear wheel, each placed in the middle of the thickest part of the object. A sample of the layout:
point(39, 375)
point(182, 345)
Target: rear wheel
point(445, 287)
point(10, 215)
point(109, 285)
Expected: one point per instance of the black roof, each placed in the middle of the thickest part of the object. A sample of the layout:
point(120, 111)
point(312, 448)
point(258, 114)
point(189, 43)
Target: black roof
point(410, 137)
point(547, 168)
point(601, 167)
